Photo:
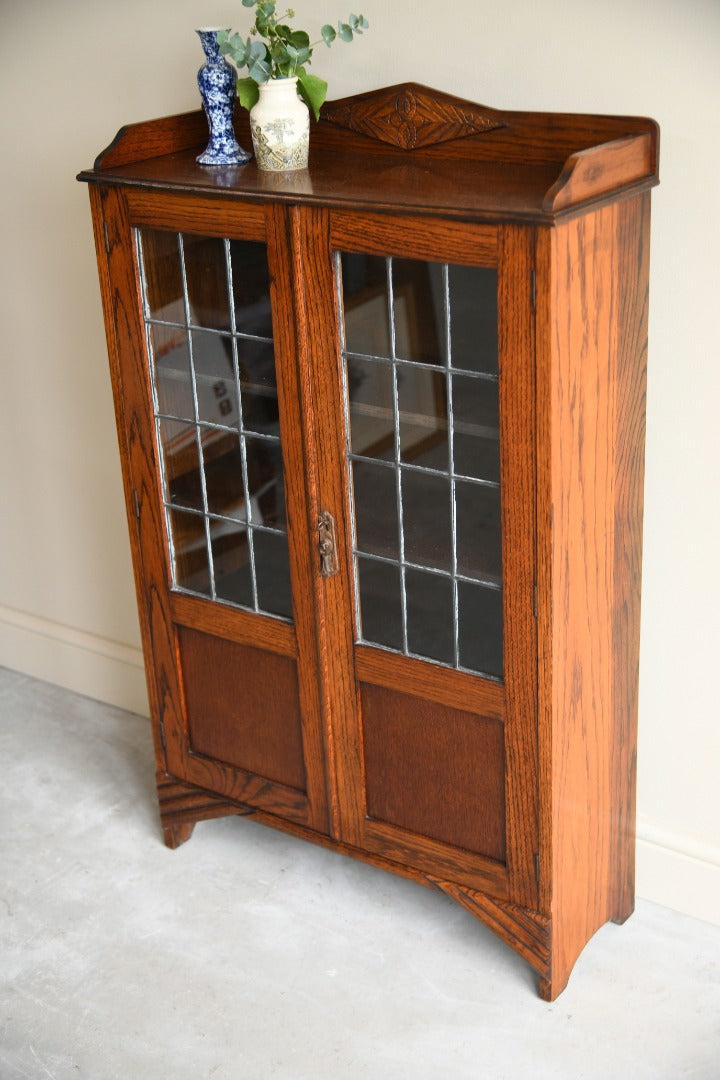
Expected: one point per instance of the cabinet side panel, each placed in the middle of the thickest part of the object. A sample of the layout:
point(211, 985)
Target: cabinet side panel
point(596, 357)
point(633, 255)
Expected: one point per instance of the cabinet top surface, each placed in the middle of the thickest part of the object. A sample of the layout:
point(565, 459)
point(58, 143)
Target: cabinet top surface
point(409, 149)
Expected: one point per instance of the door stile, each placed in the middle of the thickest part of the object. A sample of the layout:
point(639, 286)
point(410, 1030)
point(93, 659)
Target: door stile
point(295, 405)
point(517, 440)
point(310, 281)
point(143, 499)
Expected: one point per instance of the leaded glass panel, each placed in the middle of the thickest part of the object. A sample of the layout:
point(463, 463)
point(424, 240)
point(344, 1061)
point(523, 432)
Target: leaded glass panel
point(209, 331)
point(420, 351)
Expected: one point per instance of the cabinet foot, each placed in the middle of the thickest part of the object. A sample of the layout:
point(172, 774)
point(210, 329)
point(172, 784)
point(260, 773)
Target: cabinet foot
point(176, 833)
point(624, 914)
point(549, 989)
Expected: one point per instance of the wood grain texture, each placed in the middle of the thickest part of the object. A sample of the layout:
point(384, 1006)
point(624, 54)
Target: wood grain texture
point(165, 210)
point(135, 142)
point(131, 392)
point(591, 173)
point(526, 932)
point(410, 116)
point(232, 624)
point(516, 358)
point(299, 457)
point(313, 287)
point(515, 799)
point(461, 243)
point(243, 707)
point(423, 679)
point(519, 166)
point(595, 366)
point(182, 805)
point(435, 771)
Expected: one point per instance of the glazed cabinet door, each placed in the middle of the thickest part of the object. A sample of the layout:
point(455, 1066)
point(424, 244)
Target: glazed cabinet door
point(204, 371)
point(431, 623)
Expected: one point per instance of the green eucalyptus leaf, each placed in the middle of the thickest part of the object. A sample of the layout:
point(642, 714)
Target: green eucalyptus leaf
point(313, 90)
point(364, 23)
point(247, 92)
point(248, 3)
point(259, 70)
point(328, 34)
point(345, 32)
point(300, 39)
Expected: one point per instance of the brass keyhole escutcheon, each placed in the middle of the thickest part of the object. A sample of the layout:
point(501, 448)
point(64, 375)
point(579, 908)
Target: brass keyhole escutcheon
point(326, 544)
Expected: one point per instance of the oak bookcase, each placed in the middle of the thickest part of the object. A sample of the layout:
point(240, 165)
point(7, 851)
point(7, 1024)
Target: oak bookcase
point(382, 432)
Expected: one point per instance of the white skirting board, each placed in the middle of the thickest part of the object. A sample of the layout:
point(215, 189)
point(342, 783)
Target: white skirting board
point(94, 666)
point(675, 870)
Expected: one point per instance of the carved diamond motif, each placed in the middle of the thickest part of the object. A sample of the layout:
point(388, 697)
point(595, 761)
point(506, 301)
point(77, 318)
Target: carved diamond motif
point(411, 116)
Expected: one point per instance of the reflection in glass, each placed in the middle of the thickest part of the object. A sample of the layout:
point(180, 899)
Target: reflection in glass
point(251, 288)
point(427, 519)
point(372, 425)
point(478, 531)
point(162, 284)
point(476, 445)
point(272, 570)
point(473, 318)
point(190, 552)
point(216, 409)
point(418, 303)
point(380, 602)
point(480, 624)
point(375, 495)
point(422, 407)
point(430, 615)
point(207, 284)
point(231, 562)
point(173, 384)
point(217, 401)
point(367, 314)
point(266, 482)
point(426, 406)
point(256, 360)
point(182, 472)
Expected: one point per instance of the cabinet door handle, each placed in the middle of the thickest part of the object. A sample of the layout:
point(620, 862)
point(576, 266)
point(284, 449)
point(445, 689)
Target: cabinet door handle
point(326, 544)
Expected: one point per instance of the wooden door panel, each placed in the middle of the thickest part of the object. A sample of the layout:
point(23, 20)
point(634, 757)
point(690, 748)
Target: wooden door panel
point(434, 770)
point(235, 699)
point(432, 784)
point(250, 718)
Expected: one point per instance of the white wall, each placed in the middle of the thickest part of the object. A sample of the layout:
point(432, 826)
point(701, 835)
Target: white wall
point(72, 73)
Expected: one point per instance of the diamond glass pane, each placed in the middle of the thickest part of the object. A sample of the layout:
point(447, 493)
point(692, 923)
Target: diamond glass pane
point(209, 331)
point(423, 457)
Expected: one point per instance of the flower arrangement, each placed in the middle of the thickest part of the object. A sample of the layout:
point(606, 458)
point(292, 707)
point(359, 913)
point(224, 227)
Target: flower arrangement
point(274, 50)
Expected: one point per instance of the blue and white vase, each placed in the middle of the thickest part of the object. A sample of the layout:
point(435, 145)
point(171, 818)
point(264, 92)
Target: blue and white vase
point(216, 79)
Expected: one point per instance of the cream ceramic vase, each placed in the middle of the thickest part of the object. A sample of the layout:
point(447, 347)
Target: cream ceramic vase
point(280, 126)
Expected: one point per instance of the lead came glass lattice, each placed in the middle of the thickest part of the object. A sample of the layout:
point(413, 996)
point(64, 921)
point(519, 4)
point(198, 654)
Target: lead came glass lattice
point(419, 345)
point(207, 315)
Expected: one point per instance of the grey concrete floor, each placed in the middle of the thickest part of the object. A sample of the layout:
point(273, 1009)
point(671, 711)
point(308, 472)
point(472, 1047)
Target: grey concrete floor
point(247, 954)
